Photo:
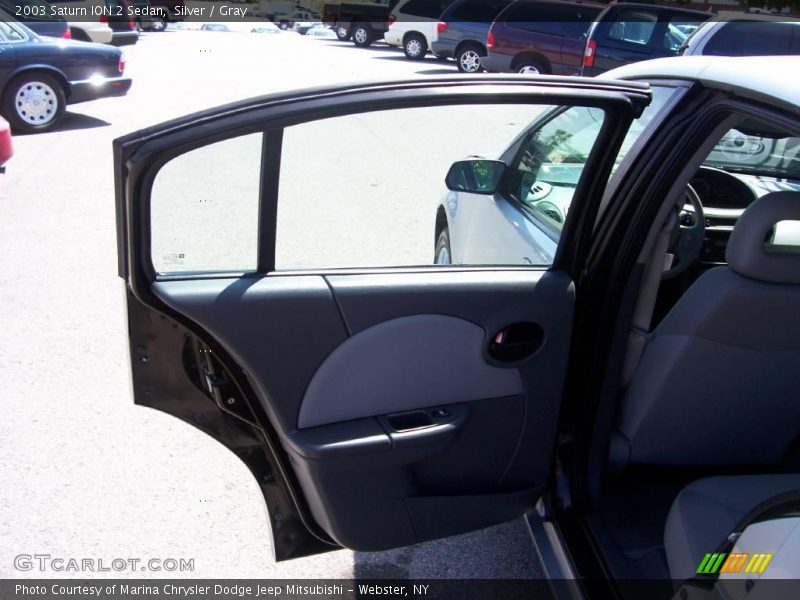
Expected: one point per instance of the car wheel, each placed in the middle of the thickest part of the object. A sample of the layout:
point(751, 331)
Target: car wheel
point(34, 102)
point(283, 25)
point(362, 36)
point(415, 47)
point(343, 33)
point(158, 25)
point(442, 253)
point(531, 66)
point(468, 59)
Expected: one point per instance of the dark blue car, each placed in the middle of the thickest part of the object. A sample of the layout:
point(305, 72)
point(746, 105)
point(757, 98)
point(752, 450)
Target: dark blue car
point(462, 32)
point(37, 16)
point(40, 75)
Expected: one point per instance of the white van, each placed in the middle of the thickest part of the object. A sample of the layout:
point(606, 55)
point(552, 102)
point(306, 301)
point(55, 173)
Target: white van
point(413, 26)
point(87, 19)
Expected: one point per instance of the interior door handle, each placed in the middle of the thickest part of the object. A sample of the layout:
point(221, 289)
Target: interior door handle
point(516, 342)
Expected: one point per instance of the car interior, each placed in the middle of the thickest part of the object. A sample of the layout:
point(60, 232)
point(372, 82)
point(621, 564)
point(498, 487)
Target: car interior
point(707, 426)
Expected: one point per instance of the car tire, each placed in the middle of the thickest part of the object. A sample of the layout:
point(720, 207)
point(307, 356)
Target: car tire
point(442, 254)
point(342, 32)
point(362, 35)
point(468, 59)
point(34, 102)
point(415, 47)
point(531, 66)
point(158, 25)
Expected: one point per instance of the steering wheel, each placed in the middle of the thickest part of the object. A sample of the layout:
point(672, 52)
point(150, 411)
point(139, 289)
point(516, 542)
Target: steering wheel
point(687, 239)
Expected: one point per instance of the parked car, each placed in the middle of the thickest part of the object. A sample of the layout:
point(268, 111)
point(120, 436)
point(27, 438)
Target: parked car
point(413, 26)
point(629, 32)
point(363, 22)
point(44, 74)
point(321, 33)
point(149, 17)
point(738, 34)
point(6, 144)
point(297, 17)
point(92, 26)
point(302, 27)
point(539, 37)
point(216, 27)
point(380, 407)
point(174, 9)
point(268, 28)
point(123, 25)
point(462, 29)
point(36, 15)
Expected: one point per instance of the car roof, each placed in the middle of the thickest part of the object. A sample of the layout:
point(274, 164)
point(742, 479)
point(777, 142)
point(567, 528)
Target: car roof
point(763, 78)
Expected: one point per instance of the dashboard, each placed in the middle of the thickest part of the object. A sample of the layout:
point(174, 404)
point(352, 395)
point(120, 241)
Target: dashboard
point(725, 196)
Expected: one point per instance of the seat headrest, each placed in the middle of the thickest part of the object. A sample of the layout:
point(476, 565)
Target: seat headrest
point(749, 254)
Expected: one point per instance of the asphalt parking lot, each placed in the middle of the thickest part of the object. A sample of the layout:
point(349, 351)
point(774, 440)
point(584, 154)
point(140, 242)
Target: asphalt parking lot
point(85, 473)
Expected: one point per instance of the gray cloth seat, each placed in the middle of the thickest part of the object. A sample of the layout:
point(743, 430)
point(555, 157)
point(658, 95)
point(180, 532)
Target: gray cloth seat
point(718, 380)
point(708, 510)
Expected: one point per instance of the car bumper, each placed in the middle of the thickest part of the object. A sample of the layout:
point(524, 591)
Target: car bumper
point(392, 38)
point(496, 62)
point(125, 38)
point(442, 50)
point(83, 91)
point(6, 145)
point(97, 33)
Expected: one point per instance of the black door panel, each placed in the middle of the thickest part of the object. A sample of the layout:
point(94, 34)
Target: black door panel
point(367, 403)
point(358, 473)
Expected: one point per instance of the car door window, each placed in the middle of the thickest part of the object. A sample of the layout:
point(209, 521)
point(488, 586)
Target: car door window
point(552, 160)
point(476, 11)
point(375, 204)
point(633, 27)
point(204, 209)
point(751, 38)
point(428, 9)
point(10, 33)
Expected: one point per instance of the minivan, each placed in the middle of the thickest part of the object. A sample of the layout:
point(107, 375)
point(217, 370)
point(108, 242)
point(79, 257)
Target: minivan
point(413, 26)
point(627, 33)
point(539, 37)
point(462, 30)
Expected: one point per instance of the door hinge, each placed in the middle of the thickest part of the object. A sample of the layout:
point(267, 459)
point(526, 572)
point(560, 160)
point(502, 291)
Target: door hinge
point(219, 385)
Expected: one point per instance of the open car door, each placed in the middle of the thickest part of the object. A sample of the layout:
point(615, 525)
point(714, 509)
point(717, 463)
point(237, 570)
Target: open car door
point(377, 406)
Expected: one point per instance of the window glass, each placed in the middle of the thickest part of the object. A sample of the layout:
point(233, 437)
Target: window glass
point(552, 160)
point(476, 11)
point(204, 209)
point(751, 38)
point(679, 28)
point(551, 19)
point(428, 9)
point(635, 27)
point(748, 151)
point(10, 33)
point(561, 147)
point(360, 191)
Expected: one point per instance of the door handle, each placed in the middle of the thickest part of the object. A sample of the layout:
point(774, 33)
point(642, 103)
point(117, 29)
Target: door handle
point(516, 342)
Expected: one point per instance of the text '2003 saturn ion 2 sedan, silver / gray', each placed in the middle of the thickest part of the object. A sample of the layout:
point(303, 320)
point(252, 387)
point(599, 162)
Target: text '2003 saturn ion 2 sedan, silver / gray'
point(611, 319)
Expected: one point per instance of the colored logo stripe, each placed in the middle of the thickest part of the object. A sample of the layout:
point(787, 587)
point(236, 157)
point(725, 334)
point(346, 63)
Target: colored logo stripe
point(711, 563)
point(734, 563)
point(758, 563)
point(722, 562)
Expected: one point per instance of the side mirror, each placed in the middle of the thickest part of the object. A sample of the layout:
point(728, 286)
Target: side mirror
point(477, 176)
